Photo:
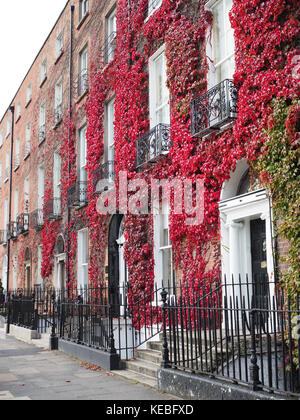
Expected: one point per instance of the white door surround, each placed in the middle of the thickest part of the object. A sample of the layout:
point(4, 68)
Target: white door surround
point(236, 213)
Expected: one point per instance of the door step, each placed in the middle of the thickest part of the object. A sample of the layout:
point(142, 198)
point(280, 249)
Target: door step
point(143, 369)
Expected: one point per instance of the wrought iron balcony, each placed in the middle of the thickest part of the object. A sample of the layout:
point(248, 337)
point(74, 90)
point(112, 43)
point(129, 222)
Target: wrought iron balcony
point(52, 209)
point(58, 114)
point(23, 223)
point(105, 172)
point(77, 194)
point(83, 82)
point(109, 47)
point(215, 109)
point(3, 237)
point(12, 231)
point(36, 220)
point(42, 133)
point(155, 143)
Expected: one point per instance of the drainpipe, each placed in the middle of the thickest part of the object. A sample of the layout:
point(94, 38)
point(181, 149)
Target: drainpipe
point(12, 110)
point(69, 131)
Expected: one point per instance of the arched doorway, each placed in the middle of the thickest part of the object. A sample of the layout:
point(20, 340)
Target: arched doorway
point(246, 235)
point(60, 264)
point(27, 270)
point(116, 263)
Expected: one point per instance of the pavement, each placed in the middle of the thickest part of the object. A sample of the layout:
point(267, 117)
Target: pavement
point(31, 373)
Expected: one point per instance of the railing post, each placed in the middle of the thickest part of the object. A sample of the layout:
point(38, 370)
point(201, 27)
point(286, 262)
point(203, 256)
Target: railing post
point(79, 306)
point(165, 352)
point(111, 341)
point(20, 309)
point(254, 369)
point(53, 337)
point(8, 313)
point(33, 317)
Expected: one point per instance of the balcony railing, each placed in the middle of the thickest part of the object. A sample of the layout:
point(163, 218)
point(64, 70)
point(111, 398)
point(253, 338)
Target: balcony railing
point(215, 109)
point(52, 210)
point(77, 194)
point(23, 223)
point(12, 230)
point(3, 237)
point(58, 114)
point(42, 133)
point(105, 173)
point(36, 220)
point(155, 143)
point(82, 82)
point(109, 47)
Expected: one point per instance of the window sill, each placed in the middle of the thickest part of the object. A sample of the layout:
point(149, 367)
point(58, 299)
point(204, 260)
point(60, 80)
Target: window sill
point(57, 124)
point(16, 168)
point(6, 181)
point(43, 82)
point(151, 14)
point(58, 57)
point(28, 103)
point(7, 135)
point(82, 96)
point(18, 119)
point(41, 142)
point(82, 21)
point(26, 156)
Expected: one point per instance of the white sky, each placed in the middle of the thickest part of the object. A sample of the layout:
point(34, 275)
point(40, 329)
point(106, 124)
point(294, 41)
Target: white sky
point(25, 25)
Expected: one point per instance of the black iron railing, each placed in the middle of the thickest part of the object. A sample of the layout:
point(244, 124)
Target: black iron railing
point(83, 80)
point(232, 334)
point(12, 230)
point(23, 223)
point(36, 219)
point(155, 143)
point(77, 194)
point(215, 109)
point(109, 47)
point(52, 209)
point(104, 173)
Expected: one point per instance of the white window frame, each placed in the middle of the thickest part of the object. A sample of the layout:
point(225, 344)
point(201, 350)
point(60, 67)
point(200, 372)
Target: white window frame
point(160, 214)
point(43, 70)
point(59, 44)
point(41, 187)
point(28, 140)
point(153, 6)
point(26, 194)
point(111, 28)
point(153, 89)
point(17, 153)
point(83, 9)
point(82, 154)
point(8, 124)
point(16, 204)
point(18, 114)
point(213, 78)
point(28, 93)
point(6, 177)
point(83, 258)
point(110, 130)
point(39, 266)
point(58, 100)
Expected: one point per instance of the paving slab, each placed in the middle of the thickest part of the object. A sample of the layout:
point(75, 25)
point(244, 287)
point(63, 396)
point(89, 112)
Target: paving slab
point(28, 373)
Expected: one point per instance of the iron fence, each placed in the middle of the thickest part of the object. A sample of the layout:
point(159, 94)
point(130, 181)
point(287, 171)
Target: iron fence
point(232, 334)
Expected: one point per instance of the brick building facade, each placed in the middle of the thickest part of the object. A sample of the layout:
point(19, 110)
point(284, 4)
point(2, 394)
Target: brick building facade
point(47, 212)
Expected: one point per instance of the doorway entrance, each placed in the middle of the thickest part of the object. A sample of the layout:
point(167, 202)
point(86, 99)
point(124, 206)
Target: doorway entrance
point(27, 270)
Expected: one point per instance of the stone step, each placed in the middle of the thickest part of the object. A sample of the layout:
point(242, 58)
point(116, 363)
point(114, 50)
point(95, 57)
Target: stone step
point(142, 367)
point(137, 378)
point(149, 355)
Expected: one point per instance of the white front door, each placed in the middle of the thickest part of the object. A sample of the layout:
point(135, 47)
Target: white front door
point(123, 272)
